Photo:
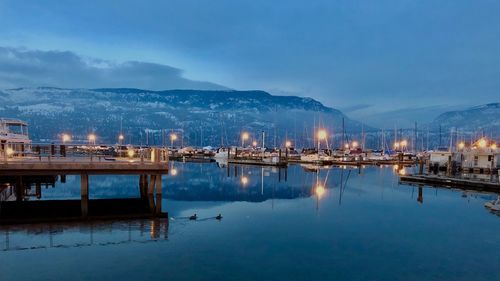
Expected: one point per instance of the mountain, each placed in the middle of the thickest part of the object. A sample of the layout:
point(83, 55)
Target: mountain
point(472, 120)
point(199, 117)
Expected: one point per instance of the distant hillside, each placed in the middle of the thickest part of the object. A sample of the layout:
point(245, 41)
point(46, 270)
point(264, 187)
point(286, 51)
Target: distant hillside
point(201, 117)
point(480, 118)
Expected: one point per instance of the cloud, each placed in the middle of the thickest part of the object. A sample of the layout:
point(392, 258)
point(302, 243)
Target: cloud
point(32, 68)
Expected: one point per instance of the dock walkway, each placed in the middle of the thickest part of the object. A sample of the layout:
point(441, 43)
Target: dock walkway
point(436, 180)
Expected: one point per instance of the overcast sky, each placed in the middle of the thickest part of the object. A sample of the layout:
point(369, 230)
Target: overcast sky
point(366, 57)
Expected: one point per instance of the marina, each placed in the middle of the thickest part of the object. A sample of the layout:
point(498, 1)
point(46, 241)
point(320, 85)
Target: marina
point(292, 218)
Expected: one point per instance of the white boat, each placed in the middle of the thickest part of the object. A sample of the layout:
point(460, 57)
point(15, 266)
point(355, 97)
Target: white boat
point(222, 153)
point(493, 205)
point(14, 136)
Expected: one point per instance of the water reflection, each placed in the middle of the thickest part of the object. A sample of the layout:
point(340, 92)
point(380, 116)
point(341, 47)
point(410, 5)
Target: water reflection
point(83, 234)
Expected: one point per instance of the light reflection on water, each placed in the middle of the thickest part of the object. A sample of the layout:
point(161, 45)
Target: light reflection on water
point(343, 224)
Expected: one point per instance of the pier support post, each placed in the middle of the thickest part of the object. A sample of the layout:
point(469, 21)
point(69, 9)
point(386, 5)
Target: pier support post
point(84, 194)
point(158, 194)
point(151, 186)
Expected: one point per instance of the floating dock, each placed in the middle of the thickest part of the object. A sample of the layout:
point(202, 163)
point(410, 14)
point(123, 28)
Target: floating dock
point(444, 181)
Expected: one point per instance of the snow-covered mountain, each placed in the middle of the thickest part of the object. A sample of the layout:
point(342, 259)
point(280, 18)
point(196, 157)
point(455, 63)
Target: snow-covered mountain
point(199, 117)
point(475, 119)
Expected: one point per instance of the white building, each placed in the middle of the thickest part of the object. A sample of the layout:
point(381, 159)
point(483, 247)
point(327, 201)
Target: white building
point(483, 154)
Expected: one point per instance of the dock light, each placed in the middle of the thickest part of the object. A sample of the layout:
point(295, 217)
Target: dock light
point(355, 144)
point(322, 134)
point(482, 143)
point(244, 137)
point(319, 190)
point(346, 146)
point(66, 138)
point(130, 153)
point(396, 145)
point(173, 137)
point(461, 145)
point(288, 144)
point(494, 146)
point(402, 172)
point(244, 180)
point(173, 172)
point(9, 151)
point(404, 143)
point(121, 137)
point(92, 138)
point(254, 143)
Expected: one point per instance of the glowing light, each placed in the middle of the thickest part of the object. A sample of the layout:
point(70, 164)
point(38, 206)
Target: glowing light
point(402, 171)
point(494, 146)
point(320, 190)
point(173, 172)
point(254, 143)
point(396, 145)
point(121, 137)
point(245, 136)
point(66, 138)
point(92, 137)
point(322, 134)
point(288, 144)
point(130, 153)
point(173, 137)
point(482, 143)
point(404, 143)
point(461, 145)
point(355, 144)
point(244, 180)
point(346, 145)
point(10, 151)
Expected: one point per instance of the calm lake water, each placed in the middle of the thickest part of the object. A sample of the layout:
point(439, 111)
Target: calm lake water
point(362, 226)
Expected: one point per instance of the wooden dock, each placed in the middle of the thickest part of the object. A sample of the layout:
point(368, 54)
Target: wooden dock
point(149, 167)
point(452, 182)
point(79, 165)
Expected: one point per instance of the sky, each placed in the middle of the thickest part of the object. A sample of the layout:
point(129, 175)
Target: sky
point(381, 62)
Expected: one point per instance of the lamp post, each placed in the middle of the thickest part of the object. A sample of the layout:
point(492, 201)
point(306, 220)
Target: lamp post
point(92, 139)
point(322, 135)
point(66, 138)
point(244, 137)
point(173, 137)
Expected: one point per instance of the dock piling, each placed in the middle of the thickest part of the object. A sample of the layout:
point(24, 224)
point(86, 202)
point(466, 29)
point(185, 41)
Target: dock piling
point(84, 185)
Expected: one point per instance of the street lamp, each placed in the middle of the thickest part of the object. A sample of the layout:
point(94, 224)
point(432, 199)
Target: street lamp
point(66, 138)
point(461, 145)
point(92, 138)
point(396, 145)
point(322, 135)
point(244, 137)
point(173, 137)
point(355, 144)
